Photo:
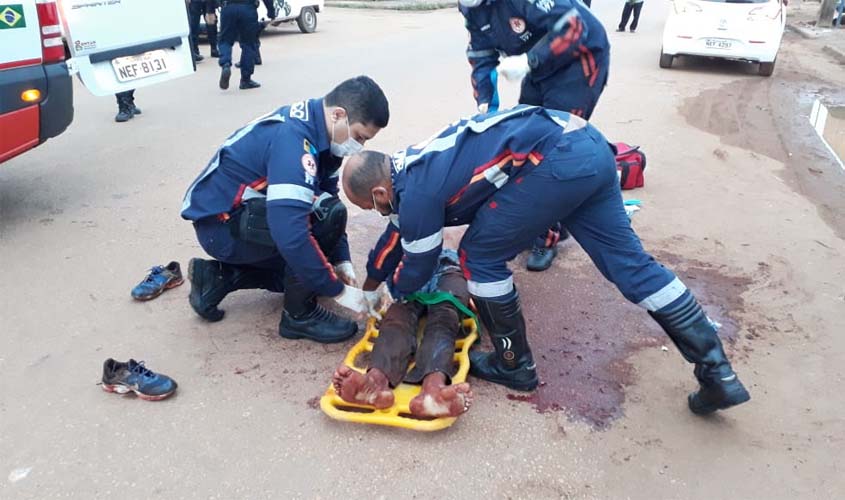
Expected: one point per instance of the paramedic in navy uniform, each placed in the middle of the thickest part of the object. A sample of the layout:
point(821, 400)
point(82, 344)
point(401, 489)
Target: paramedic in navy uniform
point(266, 208)
point(508, 175)
point(564, 63)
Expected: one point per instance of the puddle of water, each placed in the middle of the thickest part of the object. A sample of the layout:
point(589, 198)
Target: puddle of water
point(829, 124)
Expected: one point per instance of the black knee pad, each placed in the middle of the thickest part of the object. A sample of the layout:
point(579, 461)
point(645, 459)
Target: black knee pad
point(328, 222)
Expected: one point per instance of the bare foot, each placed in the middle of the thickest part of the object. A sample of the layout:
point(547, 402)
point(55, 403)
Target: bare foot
point(354, 387)
point(436, 399)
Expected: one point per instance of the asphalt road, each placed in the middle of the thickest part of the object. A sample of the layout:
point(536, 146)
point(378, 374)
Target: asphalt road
point(726, 203)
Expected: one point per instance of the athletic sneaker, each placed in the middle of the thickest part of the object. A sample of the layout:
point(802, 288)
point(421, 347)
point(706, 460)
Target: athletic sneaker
point(133, 376)
point(161, 278)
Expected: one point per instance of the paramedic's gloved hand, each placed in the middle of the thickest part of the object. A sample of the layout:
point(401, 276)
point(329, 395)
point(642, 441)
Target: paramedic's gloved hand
point(353, 299)
point(377, 300)
point(514, 68)
point(346, 273)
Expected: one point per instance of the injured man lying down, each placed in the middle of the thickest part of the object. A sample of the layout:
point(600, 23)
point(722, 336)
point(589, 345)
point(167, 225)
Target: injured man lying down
point(396, 346)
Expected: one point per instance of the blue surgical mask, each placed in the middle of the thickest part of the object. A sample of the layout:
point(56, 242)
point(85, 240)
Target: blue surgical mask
point(349, 147)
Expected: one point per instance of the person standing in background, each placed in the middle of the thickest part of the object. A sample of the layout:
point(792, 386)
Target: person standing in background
point(634, 6)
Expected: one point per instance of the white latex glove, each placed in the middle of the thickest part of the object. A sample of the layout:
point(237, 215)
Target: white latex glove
point(482, 108)
point(353, 299)
point(514, 68)
point(346, 273)
point(374, 301)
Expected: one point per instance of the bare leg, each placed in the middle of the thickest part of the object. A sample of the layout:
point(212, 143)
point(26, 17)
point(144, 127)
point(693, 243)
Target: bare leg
point(436, 399)
point(371, 389)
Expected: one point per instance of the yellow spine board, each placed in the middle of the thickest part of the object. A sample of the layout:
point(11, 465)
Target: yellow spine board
point(398, 415)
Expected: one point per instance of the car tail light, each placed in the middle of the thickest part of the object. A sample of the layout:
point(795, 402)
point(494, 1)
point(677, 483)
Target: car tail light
point(52, 46)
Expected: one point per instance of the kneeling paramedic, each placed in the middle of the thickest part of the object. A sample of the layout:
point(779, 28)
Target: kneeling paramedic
point(266, 208)
point(508, 175)
point(565, 57)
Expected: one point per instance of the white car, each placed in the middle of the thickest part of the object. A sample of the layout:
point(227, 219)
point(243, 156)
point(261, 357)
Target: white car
point(744, 30)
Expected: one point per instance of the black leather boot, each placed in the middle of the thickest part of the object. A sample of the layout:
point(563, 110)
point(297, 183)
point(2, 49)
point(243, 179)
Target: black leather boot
point(211, 281)
point(124, 108)
point(511, 364)
point(303, 317)
point(541, 257)
point(695, 336)
point(135, 109)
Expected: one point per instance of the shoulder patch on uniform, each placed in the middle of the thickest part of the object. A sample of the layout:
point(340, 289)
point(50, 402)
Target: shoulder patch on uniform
point(517, 25)
point(309, 165)
point(299, 111)
point(308, 147)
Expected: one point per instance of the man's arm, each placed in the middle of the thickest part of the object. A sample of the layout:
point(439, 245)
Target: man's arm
point(484, 58)
point(566, 34)
point(330, 185)
point(290, 196)
point(384, 257)
point(421, 218)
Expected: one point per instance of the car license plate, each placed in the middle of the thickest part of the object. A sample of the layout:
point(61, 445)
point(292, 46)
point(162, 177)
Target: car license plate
point(716, 43)
point(140, 66)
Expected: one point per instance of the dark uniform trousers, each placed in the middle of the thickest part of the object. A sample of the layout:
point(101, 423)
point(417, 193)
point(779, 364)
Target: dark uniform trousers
point(239, 21)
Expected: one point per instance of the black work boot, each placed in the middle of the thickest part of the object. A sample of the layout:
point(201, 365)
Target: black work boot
point(695, 336)
point(249, 84)
point(225, 75)
point(211, 281)
point(512, 364)
point(124, 109)
point(135, 109)
point(303, 317)
point(541, 257)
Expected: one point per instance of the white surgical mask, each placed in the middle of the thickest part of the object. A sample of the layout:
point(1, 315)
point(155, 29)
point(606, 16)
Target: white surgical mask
point(349, 147)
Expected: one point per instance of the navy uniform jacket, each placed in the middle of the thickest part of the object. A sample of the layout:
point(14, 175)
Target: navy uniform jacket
point(446, 179)
point(284, 157)
point(554, 33)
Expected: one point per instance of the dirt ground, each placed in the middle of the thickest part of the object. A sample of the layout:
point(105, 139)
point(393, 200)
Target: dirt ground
point(741, 199)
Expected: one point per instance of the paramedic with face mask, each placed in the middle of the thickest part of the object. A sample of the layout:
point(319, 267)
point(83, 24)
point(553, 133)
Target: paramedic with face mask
point(266, 208)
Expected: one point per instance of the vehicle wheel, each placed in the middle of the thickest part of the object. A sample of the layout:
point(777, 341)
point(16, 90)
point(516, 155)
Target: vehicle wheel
point(766, 69)
point(307, 20)
point(666, 60)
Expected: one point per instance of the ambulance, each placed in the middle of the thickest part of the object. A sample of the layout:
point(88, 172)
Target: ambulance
point(110, 45)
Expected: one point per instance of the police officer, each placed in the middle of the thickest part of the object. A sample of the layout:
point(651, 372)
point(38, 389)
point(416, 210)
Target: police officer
point(565, 63)
point(207, 9)
point(266, 208)
point(239, 21)
point(508, 175)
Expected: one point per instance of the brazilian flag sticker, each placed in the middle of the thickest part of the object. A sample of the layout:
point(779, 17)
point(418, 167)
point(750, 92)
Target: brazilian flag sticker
point(11, 17)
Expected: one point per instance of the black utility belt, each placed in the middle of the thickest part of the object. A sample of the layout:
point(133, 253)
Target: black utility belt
point(248, 222)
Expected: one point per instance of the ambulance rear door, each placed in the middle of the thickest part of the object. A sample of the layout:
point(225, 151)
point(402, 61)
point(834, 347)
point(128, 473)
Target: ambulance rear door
point(119, 45)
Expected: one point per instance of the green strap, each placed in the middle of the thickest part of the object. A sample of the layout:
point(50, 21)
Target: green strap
point(429, 299)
